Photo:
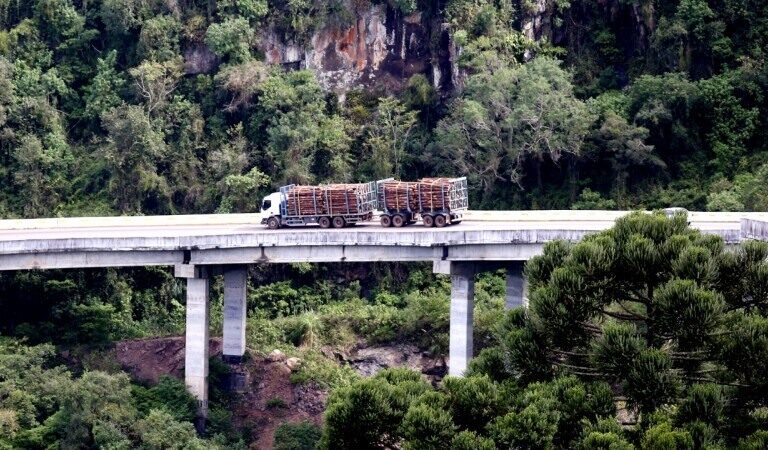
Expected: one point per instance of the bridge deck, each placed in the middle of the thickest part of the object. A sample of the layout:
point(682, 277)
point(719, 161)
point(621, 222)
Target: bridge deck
point(239, 238)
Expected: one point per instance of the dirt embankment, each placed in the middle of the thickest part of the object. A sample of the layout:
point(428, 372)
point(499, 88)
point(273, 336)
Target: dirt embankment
point(264, 397)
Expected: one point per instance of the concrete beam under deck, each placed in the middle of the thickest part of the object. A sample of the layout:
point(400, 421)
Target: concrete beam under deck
point(88, 259)
point(366, 253)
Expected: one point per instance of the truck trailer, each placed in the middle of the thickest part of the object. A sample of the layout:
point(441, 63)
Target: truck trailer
point(436, 201)
point(336, 205)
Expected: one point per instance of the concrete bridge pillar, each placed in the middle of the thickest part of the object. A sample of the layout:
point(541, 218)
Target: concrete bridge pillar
point(235, 280)
point(517, 286)
point(196, 349)
point(462, 315)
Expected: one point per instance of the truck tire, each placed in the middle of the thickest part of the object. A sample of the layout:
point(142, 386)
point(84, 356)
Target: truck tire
point(398, 220)
point(339, 222)
point(440, 221)
point(273, 223)
point(325, 222)
point(386, 221)
point(427, 220)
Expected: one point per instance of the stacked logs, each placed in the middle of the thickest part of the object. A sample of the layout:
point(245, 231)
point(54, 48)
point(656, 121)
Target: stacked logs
point(343, 198)
point(399, 196)
point(333, 199)
point(434, 194)
point(427, 194)
point(305, 200)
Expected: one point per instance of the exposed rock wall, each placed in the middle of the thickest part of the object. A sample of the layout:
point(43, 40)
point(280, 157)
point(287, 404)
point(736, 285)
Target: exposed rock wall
point(536, 20)
point(381, 49)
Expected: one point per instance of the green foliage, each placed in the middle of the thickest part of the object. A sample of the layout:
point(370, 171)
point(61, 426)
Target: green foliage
point(473, 401)
point(427, 427)
point(533, 427)
point(645, 305)
point(251, 9)
point(231, 39)
point(159, 39)
point(368, 413)
point(43, 405)
point(468, 440)
point(589, 199)
point(510, 116)
point(387, 137)
point(606, 434)
point(103, 93)
point(297, 436)
point(133, 147)
point(276, 402)
point(663, 436)
point(169, 395)
point(159, 430)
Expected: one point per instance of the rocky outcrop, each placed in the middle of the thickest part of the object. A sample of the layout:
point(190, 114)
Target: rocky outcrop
point(198, 58)
point(536, 20)
point(380, 49)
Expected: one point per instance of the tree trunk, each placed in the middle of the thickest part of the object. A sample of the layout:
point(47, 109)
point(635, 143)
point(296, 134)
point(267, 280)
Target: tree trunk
point(573, 177)
point(539, 181)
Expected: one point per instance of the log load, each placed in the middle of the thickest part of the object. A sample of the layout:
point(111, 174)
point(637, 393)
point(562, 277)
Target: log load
point(425, 195)
point(434, 194)
point(399, 196)
point(327, 200)
point(305, 201)
point(443, 194)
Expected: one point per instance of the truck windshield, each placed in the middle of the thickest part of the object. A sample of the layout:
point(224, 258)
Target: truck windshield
point(265, 206)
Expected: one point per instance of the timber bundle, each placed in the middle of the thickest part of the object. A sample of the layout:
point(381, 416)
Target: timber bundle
point(332, 199)
point(427, 194)
point(399, 195)
point(435, 193)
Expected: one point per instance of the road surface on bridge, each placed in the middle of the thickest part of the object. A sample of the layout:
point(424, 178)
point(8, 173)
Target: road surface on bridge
point(222, 224)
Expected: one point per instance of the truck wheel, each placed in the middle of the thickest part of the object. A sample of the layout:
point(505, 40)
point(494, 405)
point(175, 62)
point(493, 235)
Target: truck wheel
point(386, 221)
point(339, 222)
point(273, 223)
point(427, 220)
point(324, 222)
point(440, 221)
point(398, 220)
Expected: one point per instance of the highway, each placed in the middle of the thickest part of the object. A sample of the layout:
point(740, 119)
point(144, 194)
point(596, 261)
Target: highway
point(223, 224)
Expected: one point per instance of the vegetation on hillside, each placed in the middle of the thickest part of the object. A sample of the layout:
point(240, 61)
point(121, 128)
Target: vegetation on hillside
point(650, 316)
point(646, 103)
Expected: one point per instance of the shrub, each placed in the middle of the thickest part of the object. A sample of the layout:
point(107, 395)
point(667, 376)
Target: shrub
point(169, 395)
point(276, 402)
point(427, 428)
point(297, 436)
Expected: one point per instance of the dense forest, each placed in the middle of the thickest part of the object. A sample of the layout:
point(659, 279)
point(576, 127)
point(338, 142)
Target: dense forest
point(646, 336)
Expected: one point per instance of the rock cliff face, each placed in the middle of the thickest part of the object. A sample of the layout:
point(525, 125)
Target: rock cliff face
point(381, 49)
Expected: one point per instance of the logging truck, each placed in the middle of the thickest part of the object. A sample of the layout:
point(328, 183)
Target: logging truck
point(436, 201)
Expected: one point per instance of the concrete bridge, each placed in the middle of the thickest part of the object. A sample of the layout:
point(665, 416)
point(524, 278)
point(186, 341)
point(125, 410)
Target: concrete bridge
point(204, 245)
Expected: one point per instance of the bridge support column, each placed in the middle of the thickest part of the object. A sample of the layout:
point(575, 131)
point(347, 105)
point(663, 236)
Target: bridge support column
point(235, 280)
point(462, 315)
point(517, 286)
point(196, 347)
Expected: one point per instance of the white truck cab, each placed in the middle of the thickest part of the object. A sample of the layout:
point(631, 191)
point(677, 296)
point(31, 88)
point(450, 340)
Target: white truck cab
point(270, 209)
